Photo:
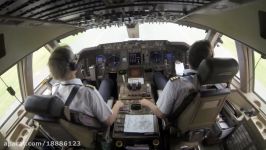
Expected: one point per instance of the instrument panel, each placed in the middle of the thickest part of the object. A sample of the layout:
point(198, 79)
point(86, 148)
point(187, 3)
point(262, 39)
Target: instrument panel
point(113, 60)
point(149, 55)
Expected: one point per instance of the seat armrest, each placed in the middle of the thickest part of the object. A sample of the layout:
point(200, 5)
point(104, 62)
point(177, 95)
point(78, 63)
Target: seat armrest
point(44, 118)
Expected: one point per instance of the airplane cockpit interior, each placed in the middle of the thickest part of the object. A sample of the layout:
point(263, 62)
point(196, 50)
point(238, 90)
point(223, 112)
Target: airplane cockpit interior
point(131, 63)
point(130, 43)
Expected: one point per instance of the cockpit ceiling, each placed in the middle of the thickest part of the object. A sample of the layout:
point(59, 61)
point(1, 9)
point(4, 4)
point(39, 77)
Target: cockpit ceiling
point(102, 13)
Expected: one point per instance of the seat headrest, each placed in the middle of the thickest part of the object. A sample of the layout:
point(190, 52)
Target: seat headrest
point(217, 70)
point(49, 106)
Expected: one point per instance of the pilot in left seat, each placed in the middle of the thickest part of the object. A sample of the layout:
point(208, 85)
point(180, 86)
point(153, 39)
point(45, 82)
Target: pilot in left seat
point(63, 67)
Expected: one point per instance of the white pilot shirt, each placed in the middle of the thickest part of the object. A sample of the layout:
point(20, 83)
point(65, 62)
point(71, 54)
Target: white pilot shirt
point(175, 92)
point(87, 100)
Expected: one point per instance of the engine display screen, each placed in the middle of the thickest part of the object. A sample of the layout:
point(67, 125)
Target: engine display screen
point(134, 58)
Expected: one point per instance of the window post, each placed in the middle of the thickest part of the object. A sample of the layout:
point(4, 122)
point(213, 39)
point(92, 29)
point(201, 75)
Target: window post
point(25, 76)
point(245, 58)
point(212, 36)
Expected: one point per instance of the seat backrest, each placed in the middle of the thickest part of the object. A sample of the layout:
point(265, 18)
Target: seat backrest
point(48, 112)
point(214, 77)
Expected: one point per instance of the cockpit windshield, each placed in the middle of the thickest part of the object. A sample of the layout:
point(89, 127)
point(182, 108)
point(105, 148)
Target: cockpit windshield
point(153, 31)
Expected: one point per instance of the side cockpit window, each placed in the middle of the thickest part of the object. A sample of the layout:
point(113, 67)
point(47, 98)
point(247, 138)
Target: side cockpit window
point(9, 103)
point(227, 48)
point(260, 72)
point(39, 66)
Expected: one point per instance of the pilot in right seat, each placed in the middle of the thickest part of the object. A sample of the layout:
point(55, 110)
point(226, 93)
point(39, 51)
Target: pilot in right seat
point(177, 89)
point(88, 100)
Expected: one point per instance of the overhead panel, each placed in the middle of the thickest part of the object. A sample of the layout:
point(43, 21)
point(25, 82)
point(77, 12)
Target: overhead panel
point(102, 13)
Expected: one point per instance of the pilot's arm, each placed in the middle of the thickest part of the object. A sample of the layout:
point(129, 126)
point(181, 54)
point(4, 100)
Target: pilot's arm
point(165, 101)
point(110, 120)
point(102, 111)
point(153, 108)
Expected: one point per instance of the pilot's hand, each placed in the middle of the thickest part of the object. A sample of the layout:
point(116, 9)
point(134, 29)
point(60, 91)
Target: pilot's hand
point(119, 104)
point(145, 102)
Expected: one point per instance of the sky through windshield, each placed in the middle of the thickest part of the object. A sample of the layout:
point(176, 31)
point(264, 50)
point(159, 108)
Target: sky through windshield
point(159, 31)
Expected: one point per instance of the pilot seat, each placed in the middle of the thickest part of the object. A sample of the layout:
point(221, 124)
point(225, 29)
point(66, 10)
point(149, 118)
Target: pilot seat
point(199, 111)
point(57, 122)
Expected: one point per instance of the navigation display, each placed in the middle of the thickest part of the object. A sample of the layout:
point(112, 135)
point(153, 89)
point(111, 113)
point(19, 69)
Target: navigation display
point(113, 60)
point(134, 58)
point(156, 57)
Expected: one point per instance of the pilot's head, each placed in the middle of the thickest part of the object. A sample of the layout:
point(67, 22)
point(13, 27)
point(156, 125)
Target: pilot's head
point(62, 63)
point(198, 51)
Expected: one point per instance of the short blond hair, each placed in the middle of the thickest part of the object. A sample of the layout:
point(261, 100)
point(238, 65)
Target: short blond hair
point(59, 62)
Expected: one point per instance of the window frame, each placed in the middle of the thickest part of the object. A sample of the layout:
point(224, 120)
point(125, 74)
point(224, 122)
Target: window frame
point(245, 85)
point(22, 98)
point(263, 100)
point(25, 77)
point(260, 98)
point(24, 73)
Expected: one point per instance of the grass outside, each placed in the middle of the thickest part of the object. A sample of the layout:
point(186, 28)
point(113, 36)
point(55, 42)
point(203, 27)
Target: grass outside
point(260, 71)
point(11, 79)
point(40, 65)
point(40, 59)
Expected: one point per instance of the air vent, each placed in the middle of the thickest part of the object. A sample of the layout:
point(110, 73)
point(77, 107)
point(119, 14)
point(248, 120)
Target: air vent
point(10, 22)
